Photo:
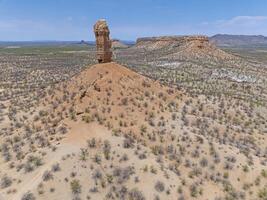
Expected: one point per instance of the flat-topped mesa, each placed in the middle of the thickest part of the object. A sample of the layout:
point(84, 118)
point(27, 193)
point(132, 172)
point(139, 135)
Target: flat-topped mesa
point(103, 42)
point(170, 42)
point(200, 38)
point(180, 39)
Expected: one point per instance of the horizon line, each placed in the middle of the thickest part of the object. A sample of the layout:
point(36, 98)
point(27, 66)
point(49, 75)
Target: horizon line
point(128, 40)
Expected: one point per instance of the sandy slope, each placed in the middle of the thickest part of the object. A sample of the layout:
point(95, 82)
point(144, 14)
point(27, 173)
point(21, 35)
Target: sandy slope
point(144, 132)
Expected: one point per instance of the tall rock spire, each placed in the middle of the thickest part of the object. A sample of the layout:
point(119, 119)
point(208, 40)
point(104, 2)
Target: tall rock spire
point(103, 42)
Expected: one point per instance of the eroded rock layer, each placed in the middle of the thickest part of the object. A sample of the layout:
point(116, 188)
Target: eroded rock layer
point(103, 42)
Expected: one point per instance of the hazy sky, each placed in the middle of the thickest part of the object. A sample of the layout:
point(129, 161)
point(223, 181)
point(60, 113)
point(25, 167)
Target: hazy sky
point(129, 19)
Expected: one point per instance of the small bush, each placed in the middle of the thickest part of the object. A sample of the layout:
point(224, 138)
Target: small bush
point(76, 187)
point(135, 194)
point(28, 196)
point(128, 143)
point(159, 186)
point(47, 176)
point(6, 182)
point(263, 194)
point(56, 167)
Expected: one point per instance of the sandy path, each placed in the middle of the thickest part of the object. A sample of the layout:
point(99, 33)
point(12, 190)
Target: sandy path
point(35, 179)
point(75, 139)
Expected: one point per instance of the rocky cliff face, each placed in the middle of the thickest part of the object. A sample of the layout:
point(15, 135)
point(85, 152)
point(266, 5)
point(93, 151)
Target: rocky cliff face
point(192, 48)
point(103, 43)
point(174, 38)
point(117, 44)
point(153, 43)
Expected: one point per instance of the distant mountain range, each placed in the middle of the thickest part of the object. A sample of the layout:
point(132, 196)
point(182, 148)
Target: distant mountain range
point(53, 43)
point(38, 43)
point(239, 40)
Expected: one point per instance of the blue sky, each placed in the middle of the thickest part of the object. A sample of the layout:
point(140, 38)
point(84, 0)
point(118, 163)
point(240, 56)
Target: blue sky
point(128, 19)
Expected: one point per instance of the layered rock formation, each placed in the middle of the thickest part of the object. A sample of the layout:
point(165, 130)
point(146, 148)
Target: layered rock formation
point(189, 48)
point(170, 41)
point(103, 42)
point(117, 44)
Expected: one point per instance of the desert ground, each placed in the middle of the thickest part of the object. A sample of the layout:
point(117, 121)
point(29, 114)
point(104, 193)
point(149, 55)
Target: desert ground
point(165, 120)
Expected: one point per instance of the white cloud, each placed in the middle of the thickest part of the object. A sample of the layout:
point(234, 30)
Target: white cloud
point(247, 25)
point(238, 25)
point(243, 21)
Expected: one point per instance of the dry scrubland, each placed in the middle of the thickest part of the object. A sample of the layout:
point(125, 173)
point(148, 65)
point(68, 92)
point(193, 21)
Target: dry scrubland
point(196, 129)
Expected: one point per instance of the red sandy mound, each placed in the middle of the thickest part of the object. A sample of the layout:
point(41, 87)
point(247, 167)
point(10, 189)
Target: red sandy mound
point(115, 97)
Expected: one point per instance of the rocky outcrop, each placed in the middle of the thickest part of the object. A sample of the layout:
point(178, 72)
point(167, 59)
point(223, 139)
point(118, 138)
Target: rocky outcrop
point(197, 49)
point(170, 41)
point(117, 44)
point(103, 42)
point(174, 38)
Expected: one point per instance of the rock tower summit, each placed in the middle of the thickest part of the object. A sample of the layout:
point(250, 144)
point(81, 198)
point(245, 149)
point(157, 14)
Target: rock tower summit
point(103, 42)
